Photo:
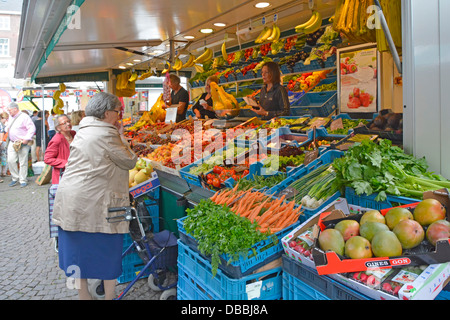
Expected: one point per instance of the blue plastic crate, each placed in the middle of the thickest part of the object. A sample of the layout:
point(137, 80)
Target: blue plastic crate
point(368, 201)
point(285, 69)
point(305, 278)
point(196, 271)
point(295, 289)
point(443, 295)
point(266, 251)
point(326, 158)
point(320, 104)
point(330, 62)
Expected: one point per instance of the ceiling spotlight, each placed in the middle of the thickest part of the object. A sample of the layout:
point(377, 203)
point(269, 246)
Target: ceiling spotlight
point(129, 63)
point(206, 30)
point(137, 60)
point(122, 67)
point(189, 37)
point(261, 5)
point(219, 24)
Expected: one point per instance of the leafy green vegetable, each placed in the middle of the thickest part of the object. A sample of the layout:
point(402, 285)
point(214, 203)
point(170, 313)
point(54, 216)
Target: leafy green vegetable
point(259, 182)
point(381, 168)
point(220, 231)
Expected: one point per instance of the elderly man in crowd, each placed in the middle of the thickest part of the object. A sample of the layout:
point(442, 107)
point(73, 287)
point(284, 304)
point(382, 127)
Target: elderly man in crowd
point(20, 130)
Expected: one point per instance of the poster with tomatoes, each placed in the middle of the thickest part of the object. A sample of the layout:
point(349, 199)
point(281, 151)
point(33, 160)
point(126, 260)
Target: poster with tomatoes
point(357, 80)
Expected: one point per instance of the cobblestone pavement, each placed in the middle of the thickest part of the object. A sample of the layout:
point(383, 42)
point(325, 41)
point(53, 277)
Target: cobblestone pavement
point(28, 262)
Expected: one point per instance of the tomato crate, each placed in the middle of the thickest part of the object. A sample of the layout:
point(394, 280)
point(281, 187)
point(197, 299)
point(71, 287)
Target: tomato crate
point(321, 104)
point(196, 280)
point(300, 282)
point(259, 254)
point(368, 201)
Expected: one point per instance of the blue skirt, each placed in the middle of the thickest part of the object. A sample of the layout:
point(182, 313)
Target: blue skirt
point(90, 255)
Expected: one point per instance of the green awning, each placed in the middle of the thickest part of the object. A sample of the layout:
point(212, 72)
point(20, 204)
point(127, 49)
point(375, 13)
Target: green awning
point(96, 76)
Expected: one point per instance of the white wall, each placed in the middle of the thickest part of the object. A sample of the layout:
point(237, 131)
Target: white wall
point(426, 81)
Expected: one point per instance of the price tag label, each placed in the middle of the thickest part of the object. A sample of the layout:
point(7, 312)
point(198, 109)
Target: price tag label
point(263, 20)
point(275, 17)
point(311, 156)
point(289, 192)
point(336, 124)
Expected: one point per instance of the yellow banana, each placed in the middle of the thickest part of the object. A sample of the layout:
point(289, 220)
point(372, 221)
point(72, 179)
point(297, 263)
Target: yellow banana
point(204, 56)
point(273, 34)
point(133, 77)
point(209, 56)
point(299, 28)
point(56, 95)
point(188, 63)
point(277, 34)
point(224, 51)
point(265, 33)
point(178, 64)
point(198, 68)
point(315, 26)
point(62, 87)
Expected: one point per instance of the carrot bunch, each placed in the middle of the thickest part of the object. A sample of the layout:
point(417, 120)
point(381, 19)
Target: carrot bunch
point(271, 215)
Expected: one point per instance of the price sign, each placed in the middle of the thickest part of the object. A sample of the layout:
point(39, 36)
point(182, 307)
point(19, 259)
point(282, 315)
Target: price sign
point(311, 156)
point(171, 115)
point(263, 20)
point(337, 124)
point(275, 17)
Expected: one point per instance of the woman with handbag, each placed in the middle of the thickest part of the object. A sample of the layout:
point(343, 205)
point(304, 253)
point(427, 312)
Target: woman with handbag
point(56, 155)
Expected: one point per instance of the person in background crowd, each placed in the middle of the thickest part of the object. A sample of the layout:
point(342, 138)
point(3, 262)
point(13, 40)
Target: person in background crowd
point(204, 108)
point(179, 97)
point(94, 180)
point(51, 125)
point(273, 98)
point(56, 155)
point(75, 118)
point(38, 135)
point(3, 154)
point(20, 130)
point(34, 116)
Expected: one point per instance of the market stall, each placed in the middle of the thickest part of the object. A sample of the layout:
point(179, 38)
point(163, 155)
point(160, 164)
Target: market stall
point(247, 198)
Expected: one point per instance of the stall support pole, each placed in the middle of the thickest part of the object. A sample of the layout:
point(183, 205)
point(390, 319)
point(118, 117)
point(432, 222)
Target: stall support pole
point(43, 122)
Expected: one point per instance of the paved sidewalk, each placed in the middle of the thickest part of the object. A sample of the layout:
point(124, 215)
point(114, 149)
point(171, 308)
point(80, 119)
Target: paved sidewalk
point(28, 263)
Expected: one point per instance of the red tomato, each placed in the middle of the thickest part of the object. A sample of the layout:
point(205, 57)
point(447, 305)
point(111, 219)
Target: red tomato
point(217, 169)
point(209, 181)
point(216, 183)
point(235, 177)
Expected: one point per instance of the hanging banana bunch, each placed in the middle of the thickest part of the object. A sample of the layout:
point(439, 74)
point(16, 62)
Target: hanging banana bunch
point(264, 35)
point(205, 56)
point(59, 104)
point(177, 64)
point(166, 67)
point(275, 35)
point(350, 19)
point(312, 25)
point(189, 63)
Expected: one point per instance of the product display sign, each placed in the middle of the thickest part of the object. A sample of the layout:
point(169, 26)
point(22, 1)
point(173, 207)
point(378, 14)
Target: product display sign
point(358, 79)
point(171, 115)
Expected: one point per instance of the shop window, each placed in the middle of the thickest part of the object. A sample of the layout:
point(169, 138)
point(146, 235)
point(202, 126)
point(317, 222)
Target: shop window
point(5, 23)
point(4, 47)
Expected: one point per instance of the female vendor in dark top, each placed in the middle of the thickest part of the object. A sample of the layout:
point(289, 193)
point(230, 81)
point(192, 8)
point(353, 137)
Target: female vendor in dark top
point(204, 108)
point(273, 98)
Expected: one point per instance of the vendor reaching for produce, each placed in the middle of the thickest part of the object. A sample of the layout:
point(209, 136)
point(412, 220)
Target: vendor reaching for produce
point(203, 107)
point(179, 97)
point(273, 98)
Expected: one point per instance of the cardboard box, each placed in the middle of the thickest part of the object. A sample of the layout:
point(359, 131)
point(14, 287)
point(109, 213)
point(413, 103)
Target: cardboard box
point(330, 262)
point(145, 186)
point(338, 204)
point(426, 286)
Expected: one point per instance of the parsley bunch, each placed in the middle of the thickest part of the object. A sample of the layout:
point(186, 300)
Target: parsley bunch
point(381, 168)
point(220, 231)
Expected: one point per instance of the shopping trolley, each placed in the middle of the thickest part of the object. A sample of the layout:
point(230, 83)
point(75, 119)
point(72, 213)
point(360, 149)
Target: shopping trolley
point(158, 251)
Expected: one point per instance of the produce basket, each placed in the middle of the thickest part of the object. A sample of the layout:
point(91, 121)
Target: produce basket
point(196, 281)
point(320, 104)
point(258, 255)
point(303, 283)
point(368, 201)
